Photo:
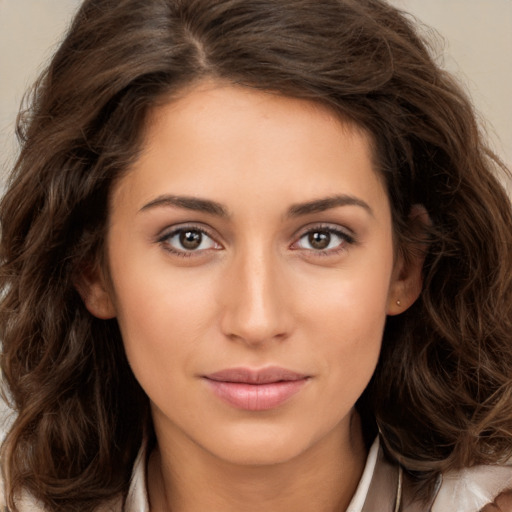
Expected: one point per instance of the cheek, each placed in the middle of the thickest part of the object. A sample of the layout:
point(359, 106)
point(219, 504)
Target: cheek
point(162, 316)
point(353, 328)
point(345, 318)
point(349, 362)
point(351, 300)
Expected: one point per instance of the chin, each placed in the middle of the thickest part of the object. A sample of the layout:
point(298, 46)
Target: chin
point(261, 445)
point(260, 455)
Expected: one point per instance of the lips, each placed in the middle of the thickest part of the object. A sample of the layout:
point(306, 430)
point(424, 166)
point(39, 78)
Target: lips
point(256, 390)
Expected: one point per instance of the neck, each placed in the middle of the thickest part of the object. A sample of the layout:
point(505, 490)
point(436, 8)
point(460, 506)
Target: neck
point(324, 478)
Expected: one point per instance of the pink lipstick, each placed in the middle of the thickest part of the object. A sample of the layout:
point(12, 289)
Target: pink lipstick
point(256, 390)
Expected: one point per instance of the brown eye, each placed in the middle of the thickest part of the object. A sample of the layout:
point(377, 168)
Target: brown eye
point(190, 240)
point(319, 239)
point(324, 240)
point(183, 241)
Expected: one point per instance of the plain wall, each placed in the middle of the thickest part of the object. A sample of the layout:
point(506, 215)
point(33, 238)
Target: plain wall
point(477, 35)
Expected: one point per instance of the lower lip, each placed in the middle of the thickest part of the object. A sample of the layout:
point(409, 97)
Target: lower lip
point(256, 397)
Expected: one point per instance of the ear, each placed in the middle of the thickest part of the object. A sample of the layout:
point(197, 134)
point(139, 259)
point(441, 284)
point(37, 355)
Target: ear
point(91, 285)
point(407, 279)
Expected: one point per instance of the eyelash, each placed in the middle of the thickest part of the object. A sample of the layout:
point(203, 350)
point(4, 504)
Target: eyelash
point(346, 239)
point(165, 239)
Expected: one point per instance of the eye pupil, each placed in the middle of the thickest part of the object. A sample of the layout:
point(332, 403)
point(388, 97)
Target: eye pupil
point(190, 239)
point(319, 239)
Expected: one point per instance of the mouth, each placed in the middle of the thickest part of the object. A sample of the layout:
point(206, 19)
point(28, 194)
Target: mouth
point(256, 390)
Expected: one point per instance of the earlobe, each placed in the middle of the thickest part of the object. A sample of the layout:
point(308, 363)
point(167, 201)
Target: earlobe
point(92, 288)
point(406, 286)
point(407, 279)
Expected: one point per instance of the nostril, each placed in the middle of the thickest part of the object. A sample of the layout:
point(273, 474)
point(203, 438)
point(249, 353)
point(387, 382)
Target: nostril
point(255, 309)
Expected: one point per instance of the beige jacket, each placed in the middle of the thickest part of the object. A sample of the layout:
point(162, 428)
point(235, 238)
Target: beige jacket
point(383, 487)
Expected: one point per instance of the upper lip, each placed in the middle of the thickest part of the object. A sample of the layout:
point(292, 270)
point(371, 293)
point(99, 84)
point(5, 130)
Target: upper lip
point(255, 376)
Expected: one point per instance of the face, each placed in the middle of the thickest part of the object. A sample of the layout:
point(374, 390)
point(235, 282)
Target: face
point(252, 267)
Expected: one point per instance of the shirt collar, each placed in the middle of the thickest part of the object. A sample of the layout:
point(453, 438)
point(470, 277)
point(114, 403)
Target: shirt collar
point(378, 489)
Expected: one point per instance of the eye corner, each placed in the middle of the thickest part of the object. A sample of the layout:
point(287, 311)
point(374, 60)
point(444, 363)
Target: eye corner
point(186, 240)
point(324, 240)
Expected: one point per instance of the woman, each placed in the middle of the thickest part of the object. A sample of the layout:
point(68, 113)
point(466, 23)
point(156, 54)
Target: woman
point(254, 257)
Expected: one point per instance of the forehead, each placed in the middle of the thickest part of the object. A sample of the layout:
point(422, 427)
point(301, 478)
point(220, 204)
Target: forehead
point(231, 141)
point(200, 105)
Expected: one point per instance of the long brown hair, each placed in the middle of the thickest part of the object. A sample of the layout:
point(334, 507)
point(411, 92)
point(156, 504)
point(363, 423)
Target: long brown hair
point(441, 396)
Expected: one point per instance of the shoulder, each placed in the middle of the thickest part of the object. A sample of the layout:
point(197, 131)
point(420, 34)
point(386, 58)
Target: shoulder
point(484, 488)
point(476, 489)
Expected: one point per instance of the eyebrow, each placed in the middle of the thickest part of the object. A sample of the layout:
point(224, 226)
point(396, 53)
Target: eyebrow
point(296, 210)
point(188, 203)
point(323, 204)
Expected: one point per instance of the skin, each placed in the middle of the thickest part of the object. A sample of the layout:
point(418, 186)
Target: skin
point(256, 293)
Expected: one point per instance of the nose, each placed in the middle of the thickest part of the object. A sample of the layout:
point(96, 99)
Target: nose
point(255, 304)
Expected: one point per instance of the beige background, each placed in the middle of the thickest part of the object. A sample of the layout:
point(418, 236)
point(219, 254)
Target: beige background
point(477, 38)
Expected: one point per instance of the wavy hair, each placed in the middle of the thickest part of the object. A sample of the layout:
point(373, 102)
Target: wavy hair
point(441, 395)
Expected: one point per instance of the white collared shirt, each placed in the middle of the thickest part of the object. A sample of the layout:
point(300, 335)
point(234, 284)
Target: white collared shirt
point(379, 489)
point(137, 500)
point(467, 490)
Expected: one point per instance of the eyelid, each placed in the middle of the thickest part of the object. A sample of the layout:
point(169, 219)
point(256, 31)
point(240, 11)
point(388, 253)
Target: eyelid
point(348, 236)
point(171, 231)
